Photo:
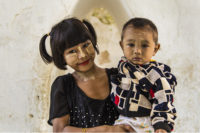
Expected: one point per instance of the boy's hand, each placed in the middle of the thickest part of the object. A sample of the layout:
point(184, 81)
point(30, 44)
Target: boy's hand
point(160, 131)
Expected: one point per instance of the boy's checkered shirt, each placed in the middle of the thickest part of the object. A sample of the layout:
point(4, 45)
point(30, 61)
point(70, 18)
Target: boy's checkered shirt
point(145, 90)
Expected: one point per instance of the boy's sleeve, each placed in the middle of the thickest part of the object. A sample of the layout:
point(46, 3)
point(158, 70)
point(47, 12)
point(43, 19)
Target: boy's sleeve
point(163, 113)
point(160, 83)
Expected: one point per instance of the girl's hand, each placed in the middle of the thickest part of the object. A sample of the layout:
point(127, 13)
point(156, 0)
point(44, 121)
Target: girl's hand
point(119, 128)
point(160, 131)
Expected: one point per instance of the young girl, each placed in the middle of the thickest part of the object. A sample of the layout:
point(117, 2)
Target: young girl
point(79, 101)
point(144, 89)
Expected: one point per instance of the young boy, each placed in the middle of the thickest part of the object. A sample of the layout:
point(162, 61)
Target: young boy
point(143, 90)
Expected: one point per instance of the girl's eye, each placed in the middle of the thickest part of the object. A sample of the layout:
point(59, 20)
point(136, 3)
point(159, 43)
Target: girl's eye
point(86, 45)
point(72, 51)
point(131, 45)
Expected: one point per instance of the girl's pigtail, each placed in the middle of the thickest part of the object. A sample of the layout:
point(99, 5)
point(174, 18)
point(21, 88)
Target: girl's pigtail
point(93, 33)
point(43, 52)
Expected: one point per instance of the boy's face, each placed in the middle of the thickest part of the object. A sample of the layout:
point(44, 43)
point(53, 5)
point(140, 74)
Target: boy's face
point(138, 45)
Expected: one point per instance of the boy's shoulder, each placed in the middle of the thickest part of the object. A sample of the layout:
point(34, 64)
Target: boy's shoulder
point(161, 66)
point(111, 71)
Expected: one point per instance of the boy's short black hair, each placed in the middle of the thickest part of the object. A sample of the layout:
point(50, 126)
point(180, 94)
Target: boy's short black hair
point(142, 23)
point(66, 34)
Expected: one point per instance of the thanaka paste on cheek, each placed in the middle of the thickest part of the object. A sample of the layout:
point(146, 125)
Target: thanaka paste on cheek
point(90, 75)
point(90, 50)
point(82, 53)
point(72, 59)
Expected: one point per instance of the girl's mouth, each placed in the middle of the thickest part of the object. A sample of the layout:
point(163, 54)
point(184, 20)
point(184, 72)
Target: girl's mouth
point(85, 62)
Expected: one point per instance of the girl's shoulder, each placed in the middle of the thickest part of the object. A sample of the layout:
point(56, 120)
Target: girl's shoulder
point(63, 83)
point(64, 78)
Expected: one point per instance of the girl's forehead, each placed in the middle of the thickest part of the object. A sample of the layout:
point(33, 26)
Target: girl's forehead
point(79, 44)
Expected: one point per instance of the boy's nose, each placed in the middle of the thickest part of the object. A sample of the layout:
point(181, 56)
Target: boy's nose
point(137, 50)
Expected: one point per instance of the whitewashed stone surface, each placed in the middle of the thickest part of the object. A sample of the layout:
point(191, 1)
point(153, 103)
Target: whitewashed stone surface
point(25, 80)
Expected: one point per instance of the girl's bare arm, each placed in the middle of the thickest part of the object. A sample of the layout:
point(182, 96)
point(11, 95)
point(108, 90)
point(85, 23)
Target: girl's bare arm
point(61, 124)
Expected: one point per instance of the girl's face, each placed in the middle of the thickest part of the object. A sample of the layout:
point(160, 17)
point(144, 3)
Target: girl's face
point(80, 57)
point(138, 45)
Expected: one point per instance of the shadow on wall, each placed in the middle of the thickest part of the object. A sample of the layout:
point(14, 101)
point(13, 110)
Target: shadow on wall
point(117, 8)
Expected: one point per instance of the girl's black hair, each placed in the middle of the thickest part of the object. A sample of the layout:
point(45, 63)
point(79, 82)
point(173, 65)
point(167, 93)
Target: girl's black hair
point(66, 34)
point(142, 23)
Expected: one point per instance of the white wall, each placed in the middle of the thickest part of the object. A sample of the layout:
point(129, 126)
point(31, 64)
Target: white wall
point(178, 25)
point(24, 96)
point(25, 79)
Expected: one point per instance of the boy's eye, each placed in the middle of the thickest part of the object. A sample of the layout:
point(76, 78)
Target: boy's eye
point(131, 45)
point(145, 45)
point(86, 45)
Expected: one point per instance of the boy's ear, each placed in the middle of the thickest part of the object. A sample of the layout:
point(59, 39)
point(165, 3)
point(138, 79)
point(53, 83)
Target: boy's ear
point(157, 47)
point(120, 42)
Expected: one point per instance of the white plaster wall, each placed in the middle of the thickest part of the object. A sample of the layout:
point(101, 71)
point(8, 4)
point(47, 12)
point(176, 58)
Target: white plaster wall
point(178, 24)
point(23, 102)
point(23, 76)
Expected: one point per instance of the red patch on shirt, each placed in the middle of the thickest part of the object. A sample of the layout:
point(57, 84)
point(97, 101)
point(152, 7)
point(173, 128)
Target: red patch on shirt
point(116, 100)
point(151, 93)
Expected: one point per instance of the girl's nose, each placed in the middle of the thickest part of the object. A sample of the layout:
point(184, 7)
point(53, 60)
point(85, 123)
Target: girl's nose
point(82, 53)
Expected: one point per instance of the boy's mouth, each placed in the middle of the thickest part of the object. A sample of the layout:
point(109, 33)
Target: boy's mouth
point(137, 59)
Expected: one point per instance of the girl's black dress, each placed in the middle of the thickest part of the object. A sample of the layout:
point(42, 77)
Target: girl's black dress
point(85, 112)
